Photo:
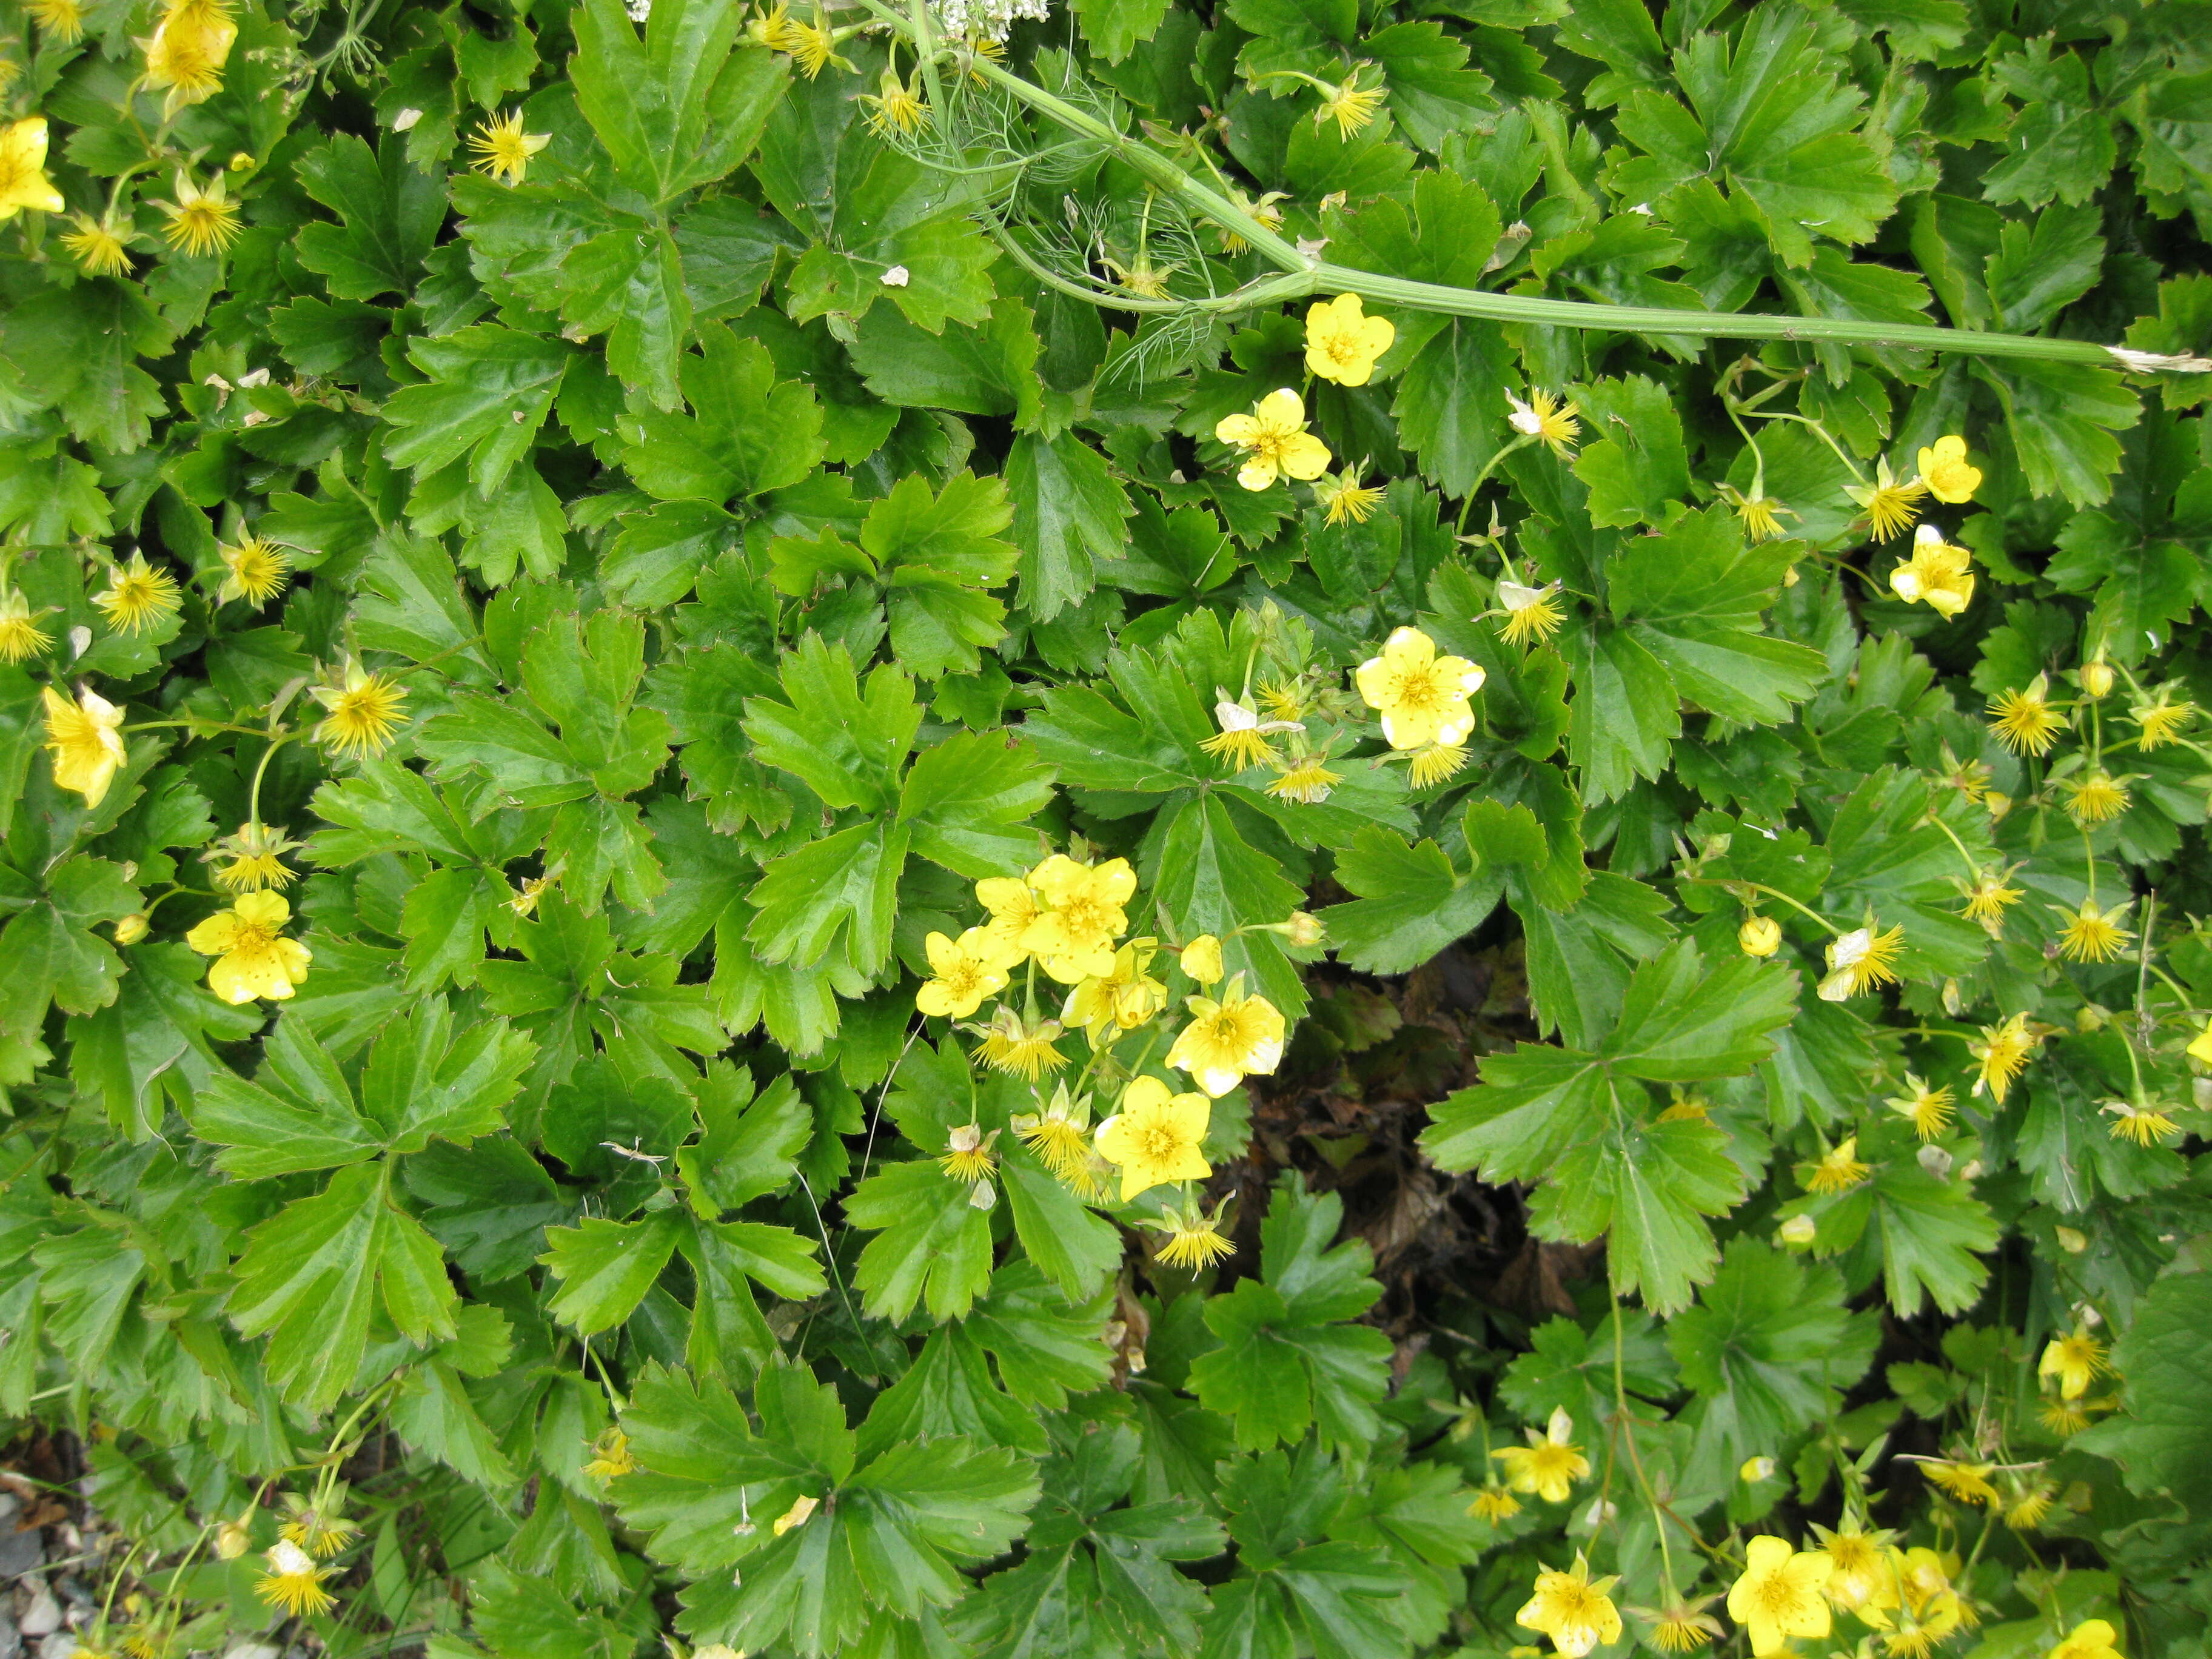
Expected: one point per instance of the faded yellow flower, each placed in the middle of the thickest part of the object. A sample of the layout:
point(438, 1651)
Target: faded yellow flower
point(1968, 1482)
point(610, 1456)
point(1307, 779)
point(137, 595)
point(185, 53)
point(1230, 1040)
point(1861, 960)
point(21, 636)
point(252, 956)
point(1348, 104)
point(503, 150)
point(97, 247)
point(2094, 796)
point(1533, 615)
point(1422, 697)
point(1195, 1241)
point(1012, 1044)
point(252, 859)
point(1928, 1110)
point(1435, 763)
point(1346, 499)
point(365, 709)
point(257, 571)
point(2143, 1123)
point(1838, 1170)
point(2092, 934)
point(1059, 1135)
point(1545, 418)
point(1157, 1136)
point(893, 107)
point(1494, 1503)
point(1343, 342)
point(1242, 741)
point(969, 1156)
point(86, 737)
point(1274, 442)
point(293, 1581)
point(62, 22)
point(201, 222)
point(2160, 719)
point(2024, 720)
point(1889, 507)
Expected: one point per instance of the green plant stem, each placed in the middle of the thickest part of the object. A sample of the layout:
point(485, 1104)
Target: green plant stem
point(1304, 274)
point(1771, 892)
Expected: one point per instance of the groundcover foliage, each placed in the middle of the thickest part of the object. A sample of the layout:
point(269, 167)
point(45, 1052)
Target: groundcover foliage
point(987, 831)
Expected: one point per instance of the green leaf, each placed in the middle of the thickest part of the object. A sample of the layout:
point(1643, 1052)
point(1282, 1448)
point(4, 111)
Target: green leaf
point(631, 282)
point(932, 1245)
point(489, 391)
point(1068, 516)
point(1410, 902)
point(391, 213)
point(2062, 417)
point(746, 433)
point(682, 108)
point(1635, 463)
point(2159, 1443)
point(605, 1267)
point(1115, 28)
point(310, 1274)
point(1287, 1362)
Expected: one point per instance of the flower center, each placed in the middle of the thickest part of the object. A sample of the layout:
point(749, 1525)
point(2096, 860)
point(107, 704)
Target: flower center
point(1159, 1142)
point(1778, 1596)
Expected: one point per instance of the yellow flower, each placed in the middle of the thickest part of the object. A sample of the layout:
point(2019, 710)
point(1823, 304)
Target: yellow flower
point(800, 1512)
point(1760, 936)
point(1888, 505)
point(253, 957)
point(1350, 104)
point(1753, 1470)
point(1194, 1242)
point(2092, 1638)
point(1493, 1503)
point(1682, 1628)
point(1274, 442)
point(1859, 1576)
point(2145, 1124)
point(1073, 938)
point(1943, 469)
point(525, 902)
point(610, 1456)
point(1346, 497)
point(1120, 1000)
point(1575, 1611)
point(1201, 959)
point(503, 150)
point(1779, 1594)
point(962, 973)
point(137, 595)
point(253, 858)
point(2094, 796)
point(1838, 1170)
point(1157, 1137)
point(2030, 1506)
point(2024, 720)
point(1059, 1135)
point(1937, 574)
point(187, 50)
point(1861, 960)
point(1928, 1110)
point(2162, 718)
point(2091, 934)
point(894, 107)
point(1342, 342)
point(1243, 740)
point(1264, 212)
point(1968, 1482)
point(1759, 512)
point(257, 571)
point(96, 247)
point(201, 222)
point(2002, 1051)
point(21, 636)
point(321, 1530)
point(1230, 1040)
point(365, 710)
point(1546, 419)
point(1014, 1045)
point(1422, 697)
point(1435, 763)
point(23, 181)
point(293, 1581)
point(62, 22)
point(1990, 898)
point(87, 740)
point(1283, 699)
point(968, 1156)
point(2200, 1046)
point(1550, 1464)
point(1013, 906)
point(2063, 1417)
point(1532, 616)
point(1306, 781)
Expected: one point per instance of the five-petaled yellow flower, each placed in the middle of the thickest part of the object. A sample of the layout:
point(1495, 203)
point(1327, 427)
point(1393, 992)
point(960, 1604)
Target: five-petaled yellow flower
point(185, 53)
point(2003, 1052)
point(1158, 1136)
point(1072, 937)
point(1422, 697)
point(1779, 1594)
point(1230, 1040)
point(86, 740)
point(1938, 574)
point(1274, 442)
point(503, 150)
point(1944, 469)
point(1572, 1609)
point(1342, 342)
point(2092, 1638)
point(1120, 1000)
point(253, 957)
point(1012, 907)
point(1550, 1464)
point(23, 181)
point(963, 972)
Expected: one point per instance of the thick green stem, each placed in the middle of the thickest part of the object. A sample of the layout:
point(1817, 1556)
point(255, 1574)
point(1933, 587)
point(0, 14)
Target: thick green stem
point(1304, 275)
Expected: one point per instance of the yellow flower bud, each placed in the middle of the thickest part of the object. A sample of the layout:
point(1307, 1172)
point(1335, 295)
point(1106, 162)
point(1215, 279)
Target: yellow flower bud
point(1201, 959)
point(130, 929)
point(1798, 1230)
point(241, 162)
point(1756, 1469)
point(2097, 677)
point(2070, 1241)
point(1760, 936)
point(231, 1540)
point(1303, 929)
